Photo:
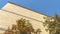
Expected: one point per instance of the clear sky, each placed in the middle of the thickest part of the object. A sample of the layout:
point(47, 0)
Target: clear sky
point(48, 7)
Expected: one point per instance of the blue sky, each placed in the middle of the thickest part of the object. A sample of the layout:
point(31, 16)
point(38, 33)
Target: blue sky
point(48, 7)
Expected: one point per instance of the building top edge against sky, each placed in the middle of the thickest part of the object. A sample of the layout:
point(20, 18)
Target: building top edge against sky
point(28, 9)
point(12, 12)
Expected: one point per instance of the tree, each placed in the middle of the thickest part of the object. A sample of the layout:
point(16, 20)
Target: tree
point(53, 24)
point(23, 27)
point(38, 31)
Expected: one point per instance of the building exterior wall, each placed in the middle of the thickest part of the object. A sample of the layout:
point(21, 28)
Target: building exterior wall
point(10, 13)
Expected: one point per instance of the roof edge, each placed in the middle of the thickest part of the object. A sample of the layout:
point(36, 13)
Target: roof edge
point(28, 8)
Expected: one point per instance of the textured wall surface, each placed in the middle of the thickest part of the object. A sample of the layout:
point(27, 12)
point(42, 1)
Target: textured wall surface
point(12, 12)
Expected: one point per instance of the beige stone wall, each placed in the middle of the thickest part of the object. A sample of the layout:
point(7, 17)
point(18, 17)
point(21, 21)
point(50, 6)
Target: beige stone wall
point(20, 10)
point(11, 13)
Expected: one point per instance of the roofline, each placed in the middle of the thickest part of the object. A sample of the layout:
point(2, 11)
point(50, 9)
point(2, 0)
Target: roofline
point(28, 9)
point(21, 15)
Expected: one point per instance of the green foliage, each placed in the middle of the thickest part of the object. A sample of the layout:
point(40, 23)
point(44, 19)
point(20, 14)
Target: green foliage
point(53, 24)
point(23, 27)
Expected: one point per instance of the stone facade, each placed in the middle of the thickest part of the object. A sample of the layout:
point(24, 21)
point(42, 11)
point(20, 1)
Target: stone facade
point(11, 12)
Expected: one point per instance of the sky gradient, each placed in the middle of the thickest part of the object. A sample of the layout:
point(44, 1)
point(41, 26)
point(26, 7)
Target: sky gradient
point(48, 7)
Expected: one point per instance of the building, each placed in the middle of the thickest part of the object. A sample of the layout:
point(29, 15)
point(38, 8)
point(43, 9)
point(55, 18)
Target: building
point(11, 12)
